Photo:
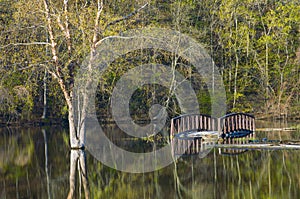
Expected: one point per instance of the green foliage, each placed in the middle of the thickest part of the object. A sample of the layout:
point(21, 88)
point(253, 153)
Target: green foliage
point(258, 43)
point(253, 43)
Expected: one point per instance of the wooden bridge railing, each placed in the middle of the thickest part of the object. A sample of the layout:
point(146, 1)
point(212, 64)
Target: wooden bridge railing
point(233, 125)
point(193, 122)
point(236, 125)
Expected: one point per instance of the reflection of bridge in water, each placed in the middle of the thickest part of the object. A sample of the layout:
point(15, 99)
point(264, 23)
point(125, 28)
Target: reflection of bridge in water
point(198, 134)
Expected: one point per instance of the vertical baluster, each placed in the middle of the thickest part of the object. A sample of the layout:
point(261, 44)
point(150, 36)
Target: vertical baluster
point(219, 126)
point(229, 124)
point(237, 116)
point(243, 122)
point(225, 127)
point(253, 124)
point(179, 146)
point(196, 122)
point(201, 122)
point(208, 123)
point(190, 122)
point(178, 125)
point(171, 129)
point(247, 122)
point(233, 123)
point(240, 122)
point(182, 124)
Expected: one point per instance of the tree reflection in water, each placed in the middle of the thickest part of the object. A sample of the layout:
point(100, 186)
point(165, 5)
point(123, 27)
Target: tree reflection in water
point(78, 160)
point(37, 163)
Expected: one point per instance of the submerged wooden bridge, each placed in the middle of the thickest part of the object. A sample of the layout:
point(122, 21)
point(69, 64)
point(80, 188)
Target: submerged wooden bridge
point(234, 125)
point(195, 133)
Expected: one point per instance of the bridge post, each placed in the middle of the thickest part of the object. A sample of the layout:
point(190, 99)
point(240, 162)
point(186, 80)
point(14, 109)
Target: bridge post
point(219, 127)
point(172, 128)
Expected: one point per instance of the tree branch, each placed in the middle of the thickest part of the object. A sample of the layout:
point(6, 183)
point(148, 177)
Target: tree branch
point(60, 24)
point(112, 37)
point(126, 17)
point(57, 73)
point(50, 30)
point(30, 66)
point(67, 32)
point(95, 37)
point(121, 37)
point(50, 71)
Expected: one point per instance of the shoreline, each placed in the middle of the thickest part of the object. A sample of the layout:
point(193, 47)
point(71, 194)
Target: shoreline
point(64, 122)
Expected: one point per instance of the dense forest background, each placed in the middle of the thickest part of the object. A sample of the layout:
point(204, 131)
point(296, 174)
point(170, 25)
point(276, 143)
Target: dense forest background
point(255, 45)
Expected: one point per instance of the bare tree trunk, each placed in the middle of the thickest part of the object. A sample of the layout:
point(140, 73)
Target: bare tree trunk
point(60, 70)
point(45, 95)
point(74, 139)
point(266, 78)
point(236, 65)
point(56, 72)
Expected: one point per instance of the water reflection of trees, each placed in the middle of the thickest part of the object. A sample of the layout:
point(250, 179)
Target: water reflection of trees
point(16, 153)
point(256, 174)
point(46, 173)
point(78, 162)
point(16, 150)
point(30, 164)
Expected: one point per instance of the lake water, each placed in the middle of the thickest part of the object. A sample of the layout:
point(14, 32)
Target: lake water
point(37, 163)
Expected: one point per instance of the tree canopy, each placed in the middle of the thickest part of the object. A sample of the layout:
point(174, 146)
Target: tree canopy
point(254, 45)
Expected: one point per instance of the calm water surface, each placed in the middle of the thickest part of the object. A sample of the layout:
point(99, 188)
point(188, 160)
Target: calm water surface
point(37, 163)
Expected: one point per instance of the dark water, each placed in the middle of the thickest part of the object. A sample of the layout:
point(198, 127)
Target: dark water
point(36, 163)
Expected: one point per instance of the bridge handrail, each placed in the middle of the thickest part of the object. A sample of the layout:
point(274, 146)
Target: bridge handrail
point(193, 114)
point(231, 114)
